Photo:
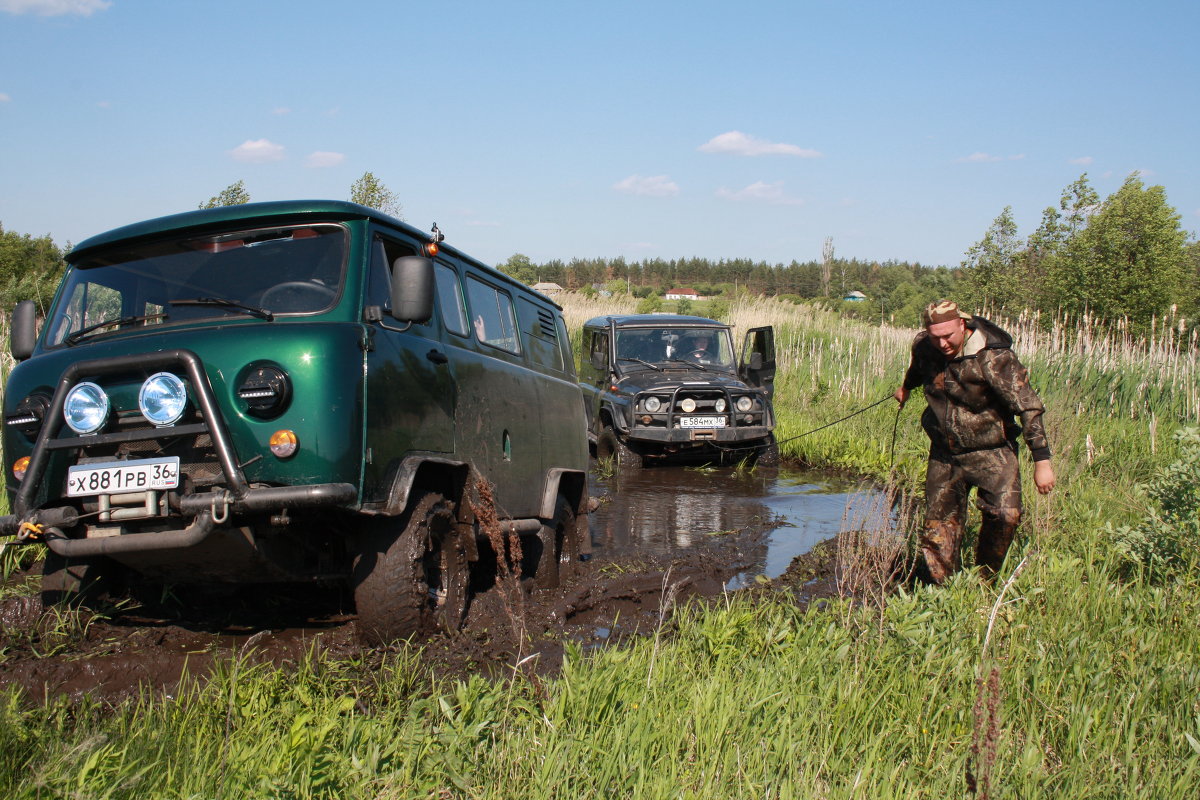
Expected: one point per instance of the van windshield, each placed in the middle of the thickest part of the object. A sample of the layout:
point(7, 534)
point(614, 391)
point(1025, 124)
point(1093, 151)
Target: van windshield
point(707, 347)
point(262, 272)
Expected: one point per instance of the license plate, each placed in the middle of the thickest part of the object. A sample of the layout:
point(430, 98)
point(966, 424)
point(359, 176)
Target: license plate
point(702, 422)
point(118, 477)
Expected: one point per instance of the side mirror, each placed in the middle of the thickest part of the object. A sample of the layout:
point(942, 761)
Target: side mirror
point(412, 289)
point(598, 361)
point(756, 361)
point(24, 330)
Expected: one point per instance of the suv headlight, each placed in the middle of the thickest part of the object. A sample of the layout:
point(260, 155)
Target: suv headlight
point(163, 398)
point(653, 404)
point(86, 408)
point(744, 404)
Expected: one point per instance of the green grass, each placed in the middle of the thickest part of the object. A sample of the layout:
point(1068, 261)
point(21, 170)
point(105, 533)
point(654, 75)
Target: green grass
point(1093, 673)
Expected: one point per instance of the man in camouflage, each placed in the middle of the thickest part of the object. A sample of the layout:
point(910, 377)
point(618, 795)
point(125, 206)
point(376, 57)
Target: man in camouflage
point(975, 387)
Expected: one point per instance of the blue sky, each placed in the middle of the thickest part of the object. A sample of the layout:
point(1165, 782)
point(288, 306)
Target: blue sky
point(562, 129)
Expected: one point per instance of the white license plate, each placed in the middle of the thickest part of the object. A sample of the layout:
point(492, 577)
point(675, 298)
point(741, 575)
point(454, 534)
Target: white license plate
point(119, 477)
point(702, 422)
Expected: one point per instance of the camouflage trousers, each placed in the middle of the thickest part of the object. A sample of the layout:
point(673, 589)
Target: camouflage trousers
point(948, 481)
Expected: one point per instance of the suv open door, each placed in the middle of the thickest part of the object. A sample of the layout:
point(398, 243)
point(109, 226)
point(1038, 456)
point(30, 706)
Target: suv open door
point(757, 367)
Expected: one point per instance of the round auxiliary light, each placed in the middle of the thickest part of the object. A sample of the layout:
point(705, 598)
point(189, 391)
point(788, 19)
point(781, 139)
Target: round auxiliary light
point(688, 405)
point(21, 467)
point(720, 405)
point(744, 404)
point(163, 398)
point(653, 404)
point(284, 443)
point(86, 408)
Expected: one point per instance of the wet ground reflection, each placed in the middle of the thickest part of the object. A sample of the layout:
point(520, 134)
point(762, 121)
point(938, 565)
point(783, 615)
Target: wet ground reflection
point(665, 510)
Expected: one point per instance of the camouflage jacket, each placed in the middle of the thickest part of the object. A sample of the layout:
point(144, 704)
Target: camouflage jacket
point(975, 397)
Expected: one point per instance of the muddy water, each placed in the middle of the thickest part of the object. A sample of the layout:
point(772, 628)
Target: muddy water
point(668, 510)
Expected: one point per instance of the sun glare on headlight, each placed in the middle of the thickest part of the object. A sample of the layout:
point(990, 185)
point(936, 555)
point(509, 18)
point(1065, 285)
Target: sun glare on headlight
point(86, 408)
point(163, 398)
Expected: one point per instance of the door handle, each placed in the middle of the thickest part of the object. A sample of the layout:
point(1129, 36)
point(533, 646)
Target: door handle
point(437, 357)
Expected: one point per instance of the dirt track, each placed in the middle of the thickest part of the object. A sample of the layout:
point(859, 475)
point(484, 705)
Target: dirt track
point(153, 645)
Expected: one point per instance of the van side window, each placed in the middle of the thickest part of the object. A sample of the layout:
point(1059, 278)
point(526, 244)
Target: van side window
point(537, 323)
point(564, 345)
point(454, 315)
point(492, 315)
point(384, 252)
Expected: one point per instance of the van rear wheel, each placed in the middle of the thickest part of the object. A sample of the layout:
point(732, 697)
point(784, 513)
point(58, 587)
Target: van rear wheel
point(411, 574)
point(560, 547)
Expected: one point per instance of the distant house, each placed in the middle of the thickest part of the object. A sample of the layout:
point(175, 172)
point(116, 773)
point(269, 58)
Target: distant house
point(548, 288)
point(682, 294)
point(855, 297)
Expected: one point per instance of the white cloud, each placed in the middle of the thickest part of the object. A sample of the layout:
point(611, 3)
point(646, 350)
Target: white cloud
point(4, 98)
point(257, 151)
point(761, 192)
point(1143, 173)
point(54, 8)
point(1017, 157)
point(1083, 161)
point(653, 186)
point(742, 144)
point(104, 104)
point(322, 158)
point(281, 111)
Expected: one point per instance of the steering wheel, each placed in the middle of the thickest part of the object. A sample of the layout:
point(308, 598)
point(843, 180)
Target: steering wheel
point(297, 296)
point(698, 355)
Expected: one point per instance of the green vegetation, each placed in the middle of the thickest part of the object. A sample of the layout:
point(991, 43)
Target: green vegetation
point(1075, 676)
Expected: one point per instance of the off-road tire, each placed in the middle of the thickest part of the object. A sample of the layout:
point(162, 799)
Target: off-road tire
point(768, 454)
point(75, 581)
point(560, 547)
point(411, 575)
point(609, 445)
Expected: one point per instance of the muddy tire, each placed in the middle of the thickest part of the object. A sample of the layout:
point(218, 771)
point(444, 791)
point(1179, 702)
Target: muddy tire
point(610, 446)
point(560, 547)
point(75, 581)
point(411, 575)
point(768, 454)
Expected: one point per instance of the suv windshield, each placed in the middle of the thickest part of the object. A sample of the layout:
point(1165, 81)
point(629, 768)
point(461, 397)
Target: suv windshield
point(261, 273)
point(661, 347)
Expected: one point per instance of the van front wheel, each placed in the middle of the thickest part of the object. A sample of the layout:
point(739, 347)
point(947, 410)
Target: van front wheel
point(411, 575)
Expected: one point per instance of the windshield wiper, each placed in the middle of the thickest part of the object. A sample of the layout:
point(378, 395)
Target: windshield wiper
point(116, 322)
point(221, 302)
point(655, 367)
point(689, 363)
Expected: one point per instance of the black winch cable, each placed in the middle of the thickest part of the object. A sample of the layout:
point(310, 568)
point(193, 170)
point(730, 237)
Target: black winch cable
point(843, 419)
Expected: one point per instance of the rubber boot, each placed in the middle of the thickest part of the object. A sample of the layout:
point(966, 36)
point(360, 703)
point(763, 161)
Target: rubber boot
point(996, 533)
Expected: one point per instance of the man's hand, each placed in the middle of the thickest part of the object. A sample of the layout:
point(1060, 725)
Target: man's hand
point(901, 396)
point(1043, 476)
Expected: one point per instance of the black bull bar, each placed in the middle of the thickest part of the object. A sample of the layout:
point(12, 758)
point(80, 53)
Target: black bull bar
point(207, 509)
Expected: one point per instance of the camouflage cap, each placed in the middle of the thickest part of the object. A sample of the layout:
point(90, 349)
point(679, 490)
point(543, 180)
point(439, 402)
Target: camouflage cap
point(942, 311)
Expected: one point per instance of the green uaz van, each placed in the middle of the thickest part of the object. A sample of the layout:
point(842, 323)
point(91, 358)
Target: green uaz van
point(293, 391)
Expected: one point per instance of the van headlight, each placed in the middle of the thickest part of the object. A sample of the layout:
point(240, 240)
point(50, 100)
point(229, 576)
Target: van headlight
point(86, 408)
point(163, 398)
point(744, 404)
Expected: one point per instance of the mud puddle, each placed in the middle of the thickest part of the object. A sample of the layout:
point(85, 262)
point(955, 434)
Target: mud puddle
point(778, 513)
point(662, 537)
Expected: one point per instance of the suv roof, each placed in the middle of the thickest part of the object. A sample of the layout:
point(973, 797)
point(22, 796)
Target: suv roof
point(652, 319)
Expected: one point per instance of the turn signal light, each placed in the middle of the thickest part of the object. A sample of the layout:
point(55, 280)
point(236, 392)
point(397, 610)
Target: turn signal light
point(284, 443)
point(20, 467)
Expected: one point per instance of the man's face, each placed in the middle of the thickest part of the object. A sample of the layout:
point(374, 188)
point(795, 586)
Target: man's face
point(700, 344)
point(948, 336)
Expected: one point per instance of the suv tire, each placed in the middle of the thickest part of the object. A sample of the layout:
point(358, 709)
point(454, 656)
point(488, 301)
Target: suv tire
point(411, 576)
point(609, 445)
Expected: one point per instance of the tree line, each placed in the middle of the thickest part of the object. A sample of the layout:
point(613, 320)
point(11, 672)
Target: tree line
point(1124, 258)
